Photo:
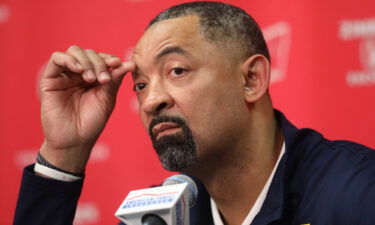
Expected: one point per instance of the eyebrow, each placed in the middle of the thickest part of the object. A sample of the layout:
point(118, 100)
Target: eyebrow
point(164, 52)
point(170, 50)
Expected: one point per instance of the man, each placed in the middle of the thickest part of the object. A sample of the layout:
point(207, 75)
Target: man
point(201, 73)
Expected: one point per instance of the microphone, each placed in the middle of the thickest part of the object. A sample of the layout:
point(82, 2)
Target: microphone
point(167, 204)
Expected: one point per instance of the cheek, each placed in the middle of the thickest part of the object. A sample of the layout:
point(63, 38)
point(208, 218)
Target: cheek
point(206, 109)
point(213, 112)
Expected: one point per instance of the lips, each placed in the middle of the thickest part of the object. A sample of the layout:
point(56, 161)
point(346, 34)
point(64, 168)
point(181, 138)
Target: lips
point(164, 128)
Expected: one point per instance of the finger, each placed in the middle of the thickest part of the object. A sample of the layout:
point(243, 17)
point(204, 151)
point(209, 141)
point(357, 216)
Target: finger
point(117, 75)
point(100, 67)
point(82, 58)
point(110, 60)
point(119, 72)
point(59, 62)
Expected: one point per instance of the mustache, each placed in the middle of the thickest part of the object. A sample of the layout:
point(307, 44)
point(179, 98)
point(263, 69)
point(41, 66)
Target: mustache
point(162, 119)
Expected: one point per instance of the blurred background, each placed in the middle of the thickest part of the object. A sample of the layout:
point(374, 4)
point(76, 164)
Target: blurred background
point(323, 77)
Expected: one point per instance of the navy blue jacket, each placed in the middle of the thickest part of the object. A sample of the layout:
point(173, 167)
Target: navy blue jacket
point(317, 182)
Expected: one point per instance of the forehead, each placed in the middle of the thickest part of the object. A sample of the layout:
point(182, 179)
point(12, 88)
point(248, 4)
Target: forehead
point(182, 32)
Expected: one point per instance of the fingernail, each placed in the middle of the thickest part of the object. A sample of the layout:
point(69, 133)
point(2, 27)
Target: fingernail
point(104, 76)
point(90, 75)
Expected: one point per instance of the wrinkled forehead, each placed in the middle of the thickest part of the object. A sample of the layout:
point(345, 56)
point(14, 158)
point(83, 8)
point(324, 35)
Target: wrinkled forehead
point(180, 31)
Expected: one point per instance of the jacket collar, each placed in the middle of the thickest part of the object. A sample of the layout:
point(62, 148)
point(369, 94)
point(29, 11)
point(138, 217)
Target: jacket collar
point(273, 206)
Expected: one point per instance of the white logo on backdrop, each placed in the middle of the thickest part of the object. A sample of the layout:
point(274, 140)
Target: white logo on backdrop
point(134, 104)
point(87, 213)
point(278, 37)
point(364, 31)
point(4, 13)
point(367, 49)
point(100, 152)
point(128, 53)
point(25, 157)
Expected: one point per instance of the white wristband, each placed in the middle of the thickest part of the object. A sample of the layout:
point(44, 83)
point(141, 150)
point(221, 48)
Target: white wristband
point(54, 174)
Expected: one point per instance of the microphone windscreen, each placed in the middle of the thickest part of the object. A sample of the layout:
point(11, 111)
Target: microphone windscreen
point(180, 178)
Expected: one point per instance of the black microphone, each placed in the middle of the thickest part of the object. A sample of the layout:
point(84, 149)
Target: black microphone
point(152, 219)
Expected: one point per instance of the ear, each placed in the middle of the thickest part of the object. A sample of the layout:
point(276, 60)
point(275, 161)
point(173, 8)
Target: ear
point(256, 71)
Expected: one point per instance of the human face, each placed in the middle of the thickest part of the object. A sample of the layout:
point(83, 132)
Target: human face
point(181, 74)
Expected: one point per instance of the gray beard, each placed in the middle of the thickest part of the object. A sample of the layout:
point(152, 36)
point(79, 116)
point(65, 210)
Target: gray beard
point(176, 152)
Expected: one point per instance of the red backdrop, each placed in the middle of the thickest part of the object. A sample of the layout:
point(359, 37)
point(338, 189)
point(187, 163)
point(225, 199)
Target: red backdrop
point(323, 77)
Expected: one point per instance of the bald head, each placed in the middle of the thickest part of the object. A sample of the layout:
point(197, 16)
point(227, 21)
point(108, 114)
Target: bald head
point(223, 24)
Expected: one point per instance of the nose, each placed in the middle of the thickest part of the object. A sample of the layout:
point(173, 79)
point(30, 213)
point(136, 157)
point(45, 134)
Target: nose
point(157, 99)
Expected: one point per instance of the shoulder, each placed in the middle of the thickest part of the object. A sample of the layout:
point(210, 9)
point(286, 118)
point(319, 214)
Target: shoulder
point(317, 157)
point(354, 197)
point(336, 179)
point(342, 155)
point(310, 151)
point(327, 182)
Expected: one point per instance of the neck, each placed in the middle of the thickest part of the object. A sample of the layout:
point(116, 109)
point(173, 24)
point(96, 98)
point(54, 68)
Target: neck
point(235, 178)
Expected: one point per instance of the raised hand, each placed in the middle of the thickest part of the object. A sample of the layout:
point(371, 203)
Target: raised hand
point(78, 93)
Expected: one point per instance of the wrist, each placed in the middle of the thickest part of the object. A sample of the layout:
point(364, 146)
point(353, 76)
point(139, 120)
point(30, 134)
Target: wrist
point(72, 160)
point(40, 161)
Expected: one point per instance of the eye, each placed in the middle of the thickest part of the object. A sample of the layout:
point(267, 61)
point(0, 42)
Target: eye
point(138, 87)
point(177, 71)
